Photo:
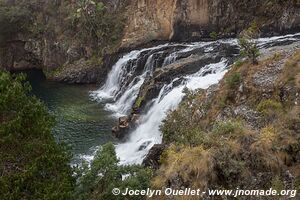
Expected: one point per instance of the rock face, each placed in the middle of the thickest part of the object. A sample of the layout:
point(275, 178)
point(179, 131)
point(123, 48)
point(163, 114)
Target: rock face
point(53, 45)
point(185, 20)
point(153, 157)
point(188, 63)
point(121, 130)
point(51, 42)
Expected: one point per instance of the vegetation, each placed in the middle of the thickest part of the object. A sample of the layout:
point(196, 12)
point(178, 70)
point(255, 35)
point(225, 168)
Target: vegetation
point(92, 20)
point(227, 146)
point(32, 165)
point(248, 45)
point(233, 80)
point(213, 35)
point(269, 107)
point(106, 173)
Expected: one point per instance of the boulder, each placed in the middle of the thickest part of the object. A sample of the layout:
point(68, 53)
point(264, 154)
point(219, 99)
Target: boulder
point(122, 129)
point(152, 158)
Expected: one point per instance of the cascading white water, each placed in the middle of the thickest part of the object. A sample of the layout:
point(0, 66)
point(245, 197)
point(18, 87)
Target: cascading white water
point(117, 81)
point(115, 77)
point(147, 133)
point(170, 59)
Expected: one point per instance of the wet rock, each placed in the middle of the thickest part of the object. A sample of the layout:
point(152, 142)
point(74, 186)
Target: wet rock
point(152, 158)
point(135, 118)
point(80, 72)
point(185, 66)
point(144, 146)
point(122, 129)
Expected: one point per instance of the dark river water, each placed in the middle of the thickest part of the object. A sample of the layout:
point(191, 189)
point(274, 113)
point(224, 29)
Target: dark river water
point(82, 124)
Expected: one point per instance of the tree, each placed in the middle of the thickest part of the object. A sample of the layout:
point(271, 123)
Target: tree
point(32, 164)
point(248, 44)
point(105, 174)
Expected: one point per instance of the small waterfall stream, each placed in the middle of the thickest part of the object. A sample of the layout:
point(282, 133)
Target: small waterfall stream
point(133, 70)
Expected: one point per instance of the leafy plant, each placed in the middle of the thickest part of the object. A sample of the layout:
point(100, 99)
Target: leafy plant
point(269, 106)
point(213, 35)
point(105, 174)
point(227, 128)
point(233, 80)
point(93, 21)
point(248, 44)
point(32, 164)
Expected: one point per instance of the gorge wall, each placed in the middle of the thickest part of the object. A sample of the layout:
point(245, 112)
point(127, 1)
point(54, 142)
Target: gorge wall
point(78, 43)
point(187, 20)
point(69, 40)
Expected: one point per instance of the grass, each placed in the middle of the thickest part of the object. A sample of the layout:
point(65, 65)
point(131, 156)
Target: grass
point(230, 127)
point(188, 164)
point(233, 80)
point(230, 150)
point(269, 107)
point(292, 73)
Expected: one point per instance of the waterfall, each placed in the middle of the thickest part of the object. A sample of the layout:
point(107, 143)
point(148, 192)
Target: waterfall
point(147, 134)
point(124, 81)
point(133, 69)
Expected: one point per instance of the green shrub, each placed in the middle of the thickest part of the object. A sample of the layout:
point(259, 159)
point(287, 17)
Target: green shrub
point(229, 127)
point(248, 45)
point(269, 107)
point(213, 35)
point(93, 21)
point(105, 174)
point(277, 185)
point(233, 80)
point(238, 63)
point(32, 164)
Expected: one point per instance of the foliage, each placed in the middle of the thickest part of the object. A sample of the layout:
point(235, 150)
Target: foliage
point(238, 63)
point(182, 125)
point(185, 165)
point(233, 80)
point(240, 146)
point(13, 19)
point(93, 21)
point(105, 174)
point(269, 107)
point(230, 127)
point(213, 35)
point(248, 45)
point(32, 165)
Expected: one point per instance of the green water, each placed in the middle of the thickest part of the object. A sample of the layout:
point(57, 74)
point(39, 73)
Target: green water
point(81, 124)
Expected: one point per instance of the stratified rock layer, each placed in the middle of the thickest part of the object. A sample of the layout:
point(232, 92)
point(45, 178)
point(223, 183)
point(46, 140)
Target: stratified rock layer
point(185, 20)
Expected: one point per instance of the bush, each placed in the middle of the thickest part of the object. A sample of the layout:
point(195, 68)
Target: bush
point(269, 107)
point(233, 80)
point(32, 165)
point(248, 45)
point(105, 174)
point(229, 127)
point(213, 35)
point(93, 21)
point(185, 165)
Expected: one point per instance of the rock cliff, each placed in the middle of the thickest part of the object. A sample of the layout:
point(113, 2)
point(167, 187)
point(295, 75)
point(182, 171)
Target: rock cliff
point(186, 20)
point(69, 37)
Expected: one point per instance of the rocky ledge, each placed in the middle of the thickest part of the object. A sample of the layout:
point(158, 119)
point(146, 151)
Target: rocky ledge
point(81, 71)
